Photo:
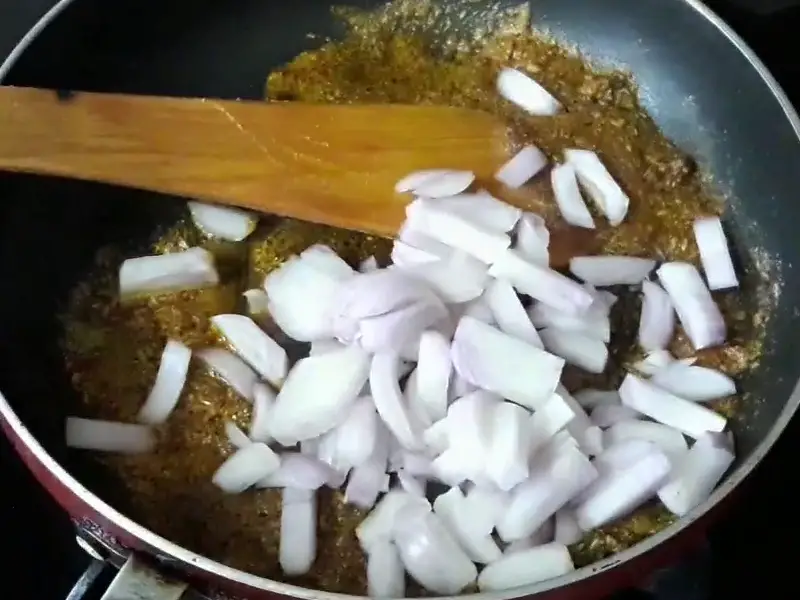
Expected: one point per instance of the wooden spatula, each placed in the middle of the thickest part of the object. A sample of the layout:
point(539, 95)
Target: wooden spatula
point(331, 164)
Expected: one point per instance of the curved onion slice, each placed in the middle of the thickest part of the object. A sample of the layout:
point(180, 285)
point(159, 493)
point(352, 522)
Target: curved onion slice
point(400, 330)
point(576, 348)
point(699, 384)
point(435, 183)
point(168, 386)
point(507, 456)
point(518, 88)
point(455, 279)
point(483, 507)
point(526, 567)
point(380, 523)
point(433, 375)
point(450, 507)
point(698, 474)
point(509, 313)
point(668, 440)
point(483, 209)
point(390, 403)
point(432, 557)
point(317, 393)
point(257, 302)
point(231, 369)
point(298, 545)
point(598, 183)
point(522, 167)
point(386, 577)
point(697, 311)
point(109, 436)
point(568, 197)
point(594, 323)
point(245, 467)
point(255, 347)
point(301, 472)
point(603, 271)
point(533, 239)
point(657, 321)
point(227, 223)
point(714, 254)
point(358, 436)
point(174, 272)
point(236, 436)
point(263, 401)
point(505, 365)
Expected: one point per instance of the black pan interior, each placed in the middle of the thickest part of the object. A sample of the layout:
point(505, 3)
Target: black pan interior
point(705, 95)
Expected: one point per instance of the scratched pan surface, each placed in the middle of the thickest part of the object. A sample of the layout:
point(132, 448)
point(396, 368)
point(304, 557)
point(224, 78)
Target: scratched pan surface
point(708, 96)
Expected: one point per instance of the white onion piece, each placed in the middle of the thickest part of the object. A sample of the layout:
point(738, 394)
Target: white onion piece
point(568, 197)
point(459, 387)
point(436, 437)
point(456, 231)
point(483, 209)
point(598, 183)
point(699, 384)
point(533, 239)
point(697, 311)
point(398, 330)
point(670, 441)
point(368, 264)
point(358, 436)
point(553, 482)
point(432, 557)
point(263, 401)
point(470, 428)
point(379, 524)
point(657, 321)
point(413, 463)
point(684, 415)
point(714, 254)
point(567, 530)
point(510, 315)
point(507, 456)
point(451, 509)
point(589, 398)
point(245, 467)
point(236, 436)
point(611, 414)
point(479, 309)
point(543, 535)
point(518, 88)
point(654, 362)
point(692, 482)
point(435, 183)
point(526, 567)
point(405, 255)
point(169, 383)
point(386, 577)
point(433, 374)
point(298, 545)
point(541, 283)
point(300, 472)
point(413, 485)
point(224, 222)
point(257, 302)
point(484, 506)
point(603, 271)
point(322, 346)
point(255, 347)
point(365, 484)
point(547, 421)
point(231, 369)
point(625, 453)
point(418, 240)
point(619, 492)
point(453, 468)
point(588, 435)
point(109, 436)
point(455, 279)
point(174, 272)
point(576, 348)
point(495, 361)
point(317, 393)
point(594, 323)
point(390, 403)
point(522, 167)
point(302, 314)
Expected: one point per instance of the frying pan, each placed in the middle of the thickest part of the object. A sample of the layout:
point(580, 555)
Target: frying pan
point(700, 82)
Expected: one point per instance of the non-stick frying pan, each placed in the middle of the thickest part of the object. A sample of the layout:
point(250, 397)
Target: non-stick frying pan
point(700, 82)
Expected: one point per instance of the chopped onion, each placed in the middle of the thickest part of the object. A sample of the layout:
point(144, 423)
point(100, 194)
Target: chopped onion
point(654, 362)
point(400, 330)
point(418, 240)
point(547, 421)
point(588, 435)
point(231, 369)
point(236, 436)
point(509, 313)
point(483, 507)
point(503, 364)
point(623, 454)
point(526, 567)
point(482, 209)
point(455, 279)
point(610, 414)
point(603, 271)
point(523, 167)
point(109, 436)
point(433, 375)
point(598, 183)
point(169, 383)
point(541, 283)
point(300, 472)
point(568, 197)
point(245, 467)
point(298, 545)
point(368, 264)
point(450, 507)
point(694, 479)
point(436, 437)
point(404, 255)
point(697, 311)
point(470, 429)
point(593, 398)
point(576, 348)
point(257, 302)
point(386, 577)
point(263, 401)
point(413, 485)
point(594, 323)
point(670, 441)
point(358, 436)
point(390, 403)
point(365, 484)
point(323, 346)
point(435, 183)
point(174, 272)
point(257, 349)
point(533, 239)
point(454, 230)
point(699, 384)
point(567, 531)
point(518, 88)
point(317, 393)
point(686, 416)
point(380, 523)
point(507, 457)
point(657, 321)
point(227, 223)
point(432, 557)
point(714, 254)
point(453, 468)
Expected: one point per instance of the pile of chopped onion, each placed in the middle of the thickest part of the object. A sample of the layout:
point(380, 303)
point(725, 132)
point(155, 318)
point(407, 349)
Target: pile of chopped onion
point(442, 373)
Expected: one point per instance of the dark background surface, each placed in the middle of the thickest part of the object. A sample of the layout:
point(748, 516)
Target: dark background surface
point(751, 552)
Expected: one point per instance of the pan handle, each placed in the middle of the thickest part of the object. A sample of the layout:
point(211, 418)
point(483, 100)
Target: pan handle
point(134, 580)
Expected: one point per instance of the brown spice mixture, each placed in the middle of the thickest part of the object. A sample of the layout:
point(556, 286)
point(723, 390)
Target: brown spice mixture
point(112, 349)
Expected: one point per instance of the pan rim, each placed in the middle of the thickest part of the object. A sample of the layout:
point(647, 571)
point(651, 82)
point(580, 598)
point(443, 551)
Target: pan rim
point(197, 561)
